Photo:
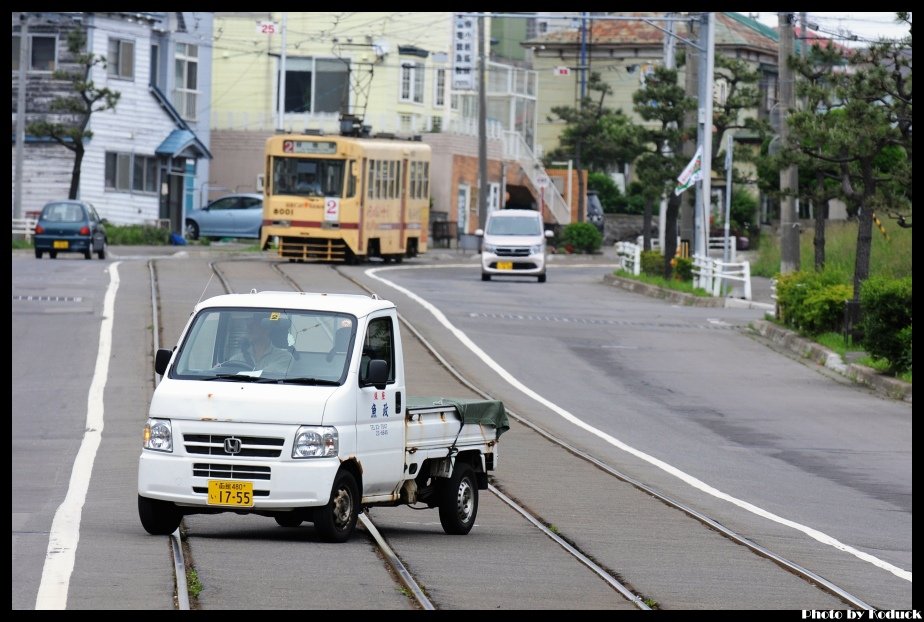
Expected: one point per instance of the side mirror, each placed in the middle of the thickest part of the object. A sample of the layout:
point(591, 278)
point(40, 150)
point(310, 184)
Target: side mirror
point(161, 360)
point(549, 234)
point(377, 374)
point(479, 232)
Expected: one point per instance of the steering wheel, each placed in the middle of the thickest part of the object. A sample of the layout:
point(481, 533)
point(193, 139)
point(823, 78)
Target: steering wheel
point(234, 366)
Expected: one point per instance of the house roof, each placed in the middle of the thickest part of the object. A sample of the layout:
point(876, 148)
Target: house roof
point(182, 143)
point(731, 30)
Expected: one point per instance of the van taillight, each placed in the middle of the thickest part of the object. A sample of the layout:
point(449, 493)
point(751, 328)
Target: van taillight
point(85, 230)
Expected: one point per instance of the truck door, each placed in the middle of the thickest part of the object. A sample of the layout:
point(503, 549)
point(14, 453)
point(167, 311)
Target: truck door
point(379, 427)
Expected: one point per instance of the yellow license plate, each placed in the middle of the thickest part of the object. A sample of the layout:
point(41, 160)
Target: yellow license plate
point(505, 265)
point(227, 492)
point(60, 243)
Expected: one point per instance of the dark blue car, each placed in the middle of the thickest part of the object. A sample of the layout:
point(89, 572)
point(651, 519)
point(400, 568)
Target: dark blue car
point(69, 227)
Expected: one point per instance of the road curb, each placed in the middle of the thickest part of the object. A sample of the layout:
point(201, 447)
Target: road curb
point(889, 387)
point(658, 292)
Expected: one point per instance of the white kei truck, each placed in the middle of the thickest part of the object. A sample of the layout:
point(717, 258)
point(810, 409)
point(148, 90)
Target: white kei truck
point(292, 405)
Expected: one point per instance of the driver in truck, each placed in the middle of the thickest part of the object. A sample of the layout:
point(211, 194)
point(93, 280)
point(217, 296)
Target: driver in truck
point(258, 348)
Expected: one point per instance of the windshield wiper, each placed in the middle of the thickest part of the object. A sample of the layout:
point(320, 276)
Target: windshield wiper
point(240, 378)
point(311, 381)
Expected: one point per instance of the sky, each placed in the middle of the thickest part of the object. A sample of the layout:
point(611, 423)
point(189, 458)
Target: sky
point(869, 26)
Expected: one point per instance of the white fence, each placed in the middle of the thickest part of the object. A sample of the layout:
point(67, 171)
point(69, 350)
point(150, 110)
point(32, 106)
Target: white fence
point(24, 227)
point(630, 257)
point(718, 243)
point(714, 275)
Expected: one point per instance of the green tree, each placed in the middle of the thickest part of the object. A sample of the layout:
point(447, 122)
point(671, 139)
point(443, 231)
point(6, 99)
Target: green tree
point(595, 137)
point(662, 103)
point(70, 113)
point(867, 135)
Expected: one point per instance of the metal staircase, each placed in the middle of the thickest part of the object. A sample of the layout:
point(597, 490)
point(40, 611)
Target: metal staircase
point(515, 148)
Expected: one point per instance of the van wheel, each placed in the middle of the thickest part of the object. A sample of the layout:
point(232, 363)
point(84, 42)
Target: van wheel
point(459, 501)
point(485, 276)
point(336, 520)
point(159, 518)
point(542, 278)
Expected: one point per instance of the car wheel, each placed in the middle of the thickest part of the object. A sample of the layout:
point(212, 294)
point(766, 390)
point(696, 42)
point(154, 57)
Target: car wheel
point(542, 278)
point(159, 518)
point(459, 501)
point(38, 254)
point(336, 520)
point(485, 276)
point(101, 253)
point(88, 254)
point(53, 254)
point(192, 230)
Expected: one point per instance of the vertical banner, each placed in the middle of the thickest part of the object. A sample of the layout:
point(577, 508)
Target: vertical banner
point(464, 51)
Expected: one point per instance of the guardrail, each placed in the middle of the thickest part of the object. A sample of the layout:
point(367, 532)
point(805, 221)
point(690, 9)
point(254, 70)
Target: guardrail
point(712, 275)
point(24, 227)
point(718, 243)
point(630, 257)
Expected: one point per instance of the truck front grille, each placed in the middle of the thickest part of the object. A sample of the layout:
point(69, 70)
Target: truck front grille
point(248, 446)
point(230, 471)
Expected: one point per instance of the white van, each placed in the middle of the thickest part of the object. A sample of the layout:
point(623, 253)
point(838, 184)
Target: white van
point(513, 244)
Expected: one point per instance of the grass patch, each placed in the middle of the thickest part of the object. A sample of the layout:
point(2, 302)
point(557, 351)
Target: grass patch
point(19, 244)
point(836, 343)
point(193, 584)
point(660, 281)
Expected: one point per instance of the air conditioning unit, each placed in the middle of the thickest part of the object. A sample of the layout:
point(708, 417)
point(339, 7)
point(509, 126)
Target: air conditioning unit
point(260, 182)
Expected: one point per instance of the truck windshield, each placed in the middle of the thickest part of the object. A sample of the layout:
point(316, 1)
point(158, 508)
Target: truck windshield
point(267, 345)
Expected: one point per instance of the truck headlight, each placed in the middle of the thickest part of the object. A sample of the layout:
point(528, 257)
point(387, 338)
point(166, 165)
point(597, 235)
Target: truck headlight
point(158, 435)
point(313, 441)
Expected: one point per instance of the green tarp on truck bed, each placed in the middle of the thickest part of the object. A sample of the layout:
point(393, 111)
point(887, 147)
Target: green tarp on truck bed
point(485, 412)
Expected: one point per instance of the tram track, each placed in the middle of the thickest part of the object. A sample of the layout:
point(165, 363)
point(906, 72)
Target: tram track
point(405, 576)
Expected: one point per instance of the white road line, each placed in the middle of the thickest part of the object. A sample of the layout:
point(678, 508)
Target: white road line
point(667, 468)
point(65, 528)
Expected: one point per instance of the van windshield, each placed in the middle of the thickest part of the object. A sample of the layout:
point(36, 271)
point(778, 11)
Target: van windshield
point(514, 225)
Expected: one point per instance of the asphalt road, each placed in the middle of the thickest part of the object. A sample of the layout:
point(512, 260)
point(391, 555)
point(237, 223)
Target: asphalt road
point(685, 386)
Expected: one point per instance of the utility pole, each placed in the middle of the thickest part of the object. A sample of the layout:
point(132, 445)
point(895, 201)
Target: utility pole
point(280, 123)
point(482, 128)
point(20, 112)
point(691, 72)
point(704, 134)
point(582, 191)
point(789, 176)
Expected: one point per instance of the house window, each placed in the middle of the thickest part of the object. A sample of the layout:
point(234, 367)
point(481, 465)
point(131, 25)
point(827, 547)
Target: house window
point(42, 52)
point(155, 65)
point(412, 82)
point(317, 85)
point(187, 80)
point(126, 172)
point(121, 60)
point(439, 96)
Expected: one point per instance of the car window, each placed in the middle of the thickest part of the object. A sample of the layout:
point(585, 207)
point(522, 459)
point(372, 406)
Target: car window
point(250, 202)
point(225, 203)
point(62, 212)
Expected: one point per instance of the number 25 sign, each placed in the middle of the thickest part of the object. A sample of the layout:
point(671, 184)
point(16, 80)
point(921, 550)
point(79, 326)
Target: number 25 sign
point(267, 28)
point(331, 210)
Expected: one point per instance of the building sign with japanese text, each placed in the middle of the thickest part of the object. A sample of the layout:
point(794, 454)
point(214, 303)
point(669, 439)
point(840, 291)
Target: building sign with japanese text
point(464, 50)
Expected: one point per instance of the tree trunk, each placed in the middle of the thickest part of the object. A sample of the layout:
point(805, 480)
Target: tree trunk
point(864, 231)
point(75, 172)
point(646, 224)
point(821, 214)
point(670, 234)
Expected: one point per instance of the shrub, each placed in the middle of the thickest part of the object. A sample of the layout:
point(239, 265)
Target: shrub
point(652, 263)
point(683, 268)
point(886, 320)
point(610, 195)
point(810, 301)
point(582, 237)
point(137, 235)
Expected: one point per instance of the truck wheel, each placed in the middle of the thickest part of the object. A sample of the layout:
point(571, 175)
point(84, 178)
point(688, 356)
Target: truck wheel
point(459, 501)
point(336, 520)
point(289, 519)
point(159, 518)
